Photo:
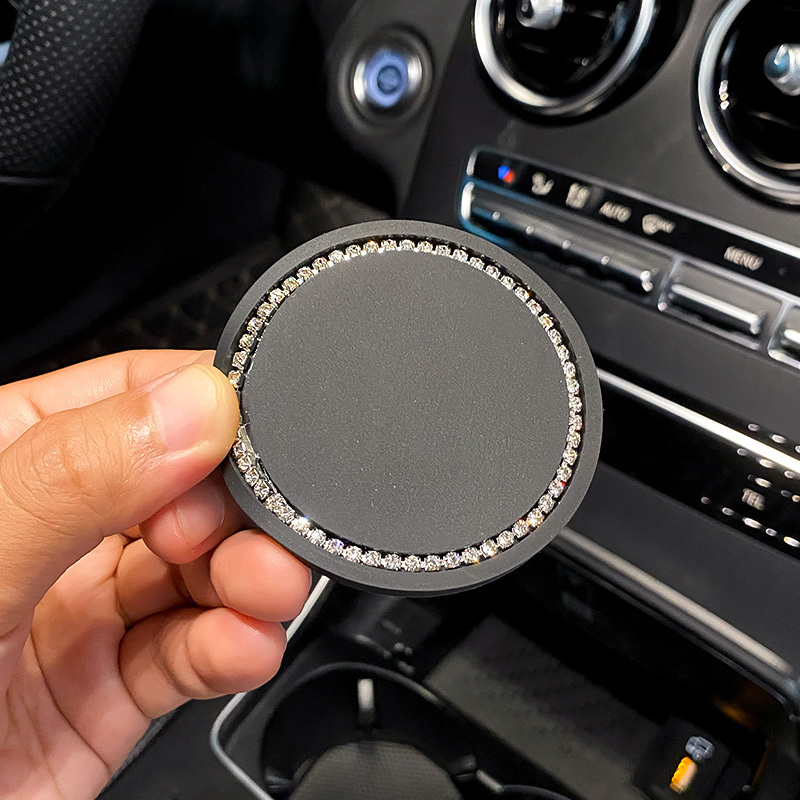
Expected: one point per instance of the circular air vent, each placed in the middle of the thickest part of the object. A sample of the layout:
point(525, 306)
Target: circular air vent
point(562, 58)
point(749, 95)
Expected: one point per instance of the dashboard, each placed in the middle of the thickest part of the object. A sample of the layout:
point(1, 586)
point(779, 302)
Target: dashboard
point(642, 157)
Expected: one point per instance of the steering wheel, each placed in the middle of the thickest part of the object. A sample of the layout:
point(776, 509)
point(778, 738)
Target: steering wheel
point(65, 64)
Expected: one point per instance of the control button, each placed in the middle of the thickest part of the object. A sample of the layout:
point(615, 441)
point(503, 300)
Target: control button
point(506, 220)
point(602, 255)
point(716, 310)
point(613, 265)
point(718, 301)
point(385, 79)
point(391, 75)
point(785, 344)
point(632, 275)
point(790, 339)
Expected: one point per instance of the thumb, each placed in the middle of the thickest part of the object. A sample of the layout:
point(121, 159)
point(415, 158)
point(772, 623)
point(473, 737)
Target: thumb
point(85, 473)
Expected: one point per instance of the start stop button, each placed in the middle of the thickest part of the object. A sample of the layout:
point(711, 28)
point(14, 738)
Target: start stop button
point(391, 76)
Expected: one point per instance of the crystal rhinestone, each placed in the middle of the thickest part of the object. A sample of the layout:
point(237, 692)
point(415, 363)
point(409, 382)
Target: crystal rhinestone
point(234, 376)
point(391, 561)
point(239, 448)
point(477, 263)
point(251, 476)
point(277, 504)
point(507, 281)
point(573, 439)
point(353, 251)
point(425, 247)
point(389, 244)
point(536, 517)
point(265, 310)
point(459, 255)
point(261, 488)
point(406, 244)
point(534, 307)
point(451, 560)
point(442, 250)
point(570, 456)
point(573, 387)
point(555, 489)
point(569, 369)
point(522, 294)
point(521, 528)
point(247, 341)
point(335, 546)
point(316, 536)
point(320, 264)
point(289, 285)
point(301, 525)
point(547, 504)
point(505, 539)
point(546, 321)
point(245, 461)
point(335, 256)
point(371, 247)
point(353, 554)
point(563, 352)
point(575, 403)
point(470, 556)
point(564, 473)
point(305, 273)
point(255, 325)
point(493, 272)
point(276, 296)
point(372, 558)
point(555, 336)
point(239, 359)
point(432, 563)
point(489, 548)
point(412, 563)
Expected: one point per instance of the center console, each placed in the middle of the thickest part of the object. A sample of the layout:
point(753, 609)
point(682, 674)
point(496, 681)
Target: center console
point(656, 196)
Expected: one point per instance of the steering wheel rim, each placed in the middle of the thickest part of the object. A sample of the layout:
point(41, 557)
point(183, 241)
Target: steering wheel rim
point(64, 68)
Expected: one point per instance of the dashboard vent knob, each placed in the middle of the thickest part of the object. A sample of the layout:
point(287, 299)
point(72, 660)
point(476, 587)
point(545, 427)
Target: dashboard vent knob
point(562, 58)
point(749, 95)
point(782, 67)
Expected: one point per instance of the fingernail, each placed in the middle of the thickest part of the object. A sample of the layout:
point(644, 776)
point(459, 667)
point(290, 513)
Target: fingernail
point(184, 406)
point(200, 512)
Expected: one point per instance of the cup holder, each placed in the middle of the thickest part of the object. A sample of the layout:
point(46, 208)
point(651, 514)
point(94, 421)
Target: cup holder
point(354, 731)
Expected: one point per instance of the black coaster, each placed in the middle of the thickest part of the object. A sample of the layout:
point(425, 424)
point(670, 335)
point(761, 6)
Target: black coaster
point(420, 413)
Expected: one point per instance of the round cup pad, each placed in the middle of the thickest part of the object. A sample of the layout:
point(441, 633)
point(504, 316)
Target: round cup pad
point(420, 414)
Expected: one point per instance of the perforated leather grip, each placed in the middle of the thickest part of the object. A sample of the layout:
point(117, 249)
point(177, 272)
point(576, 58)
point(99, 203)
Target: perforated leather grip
point(64, 69)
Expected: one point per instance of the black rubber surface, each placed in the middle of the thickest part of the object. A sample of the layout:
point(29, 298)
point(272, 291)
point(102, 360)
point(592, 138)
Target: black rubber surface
point(425, 389)
point(531, 699)
point(412, 407)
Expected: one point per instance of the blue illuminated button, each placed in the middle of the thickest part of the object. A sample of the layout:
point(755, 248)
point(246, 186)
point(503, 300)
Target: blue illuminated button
point(386, 78)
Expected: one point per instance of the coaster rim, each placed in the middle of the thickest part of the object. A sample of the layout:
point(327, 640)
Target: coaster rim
point(441, 581)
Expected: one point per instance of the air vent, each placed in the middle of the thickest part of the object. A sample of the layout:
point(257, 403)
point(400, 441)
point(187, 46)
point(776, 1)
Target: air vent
point(562, 57)
point(749, 95)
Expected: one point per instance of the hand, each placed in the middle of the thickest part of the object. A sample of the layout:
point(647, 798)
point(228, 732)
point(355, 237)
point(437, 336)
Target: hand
point(127, 584)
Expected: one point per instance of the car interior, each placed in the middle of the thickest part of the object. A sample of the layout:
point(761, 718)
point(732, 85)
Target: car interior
point(643, 158)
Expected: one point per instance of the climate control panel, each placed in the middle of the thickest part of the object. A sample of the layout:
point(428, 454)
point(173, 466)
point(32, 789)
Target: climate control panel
point(729, 281)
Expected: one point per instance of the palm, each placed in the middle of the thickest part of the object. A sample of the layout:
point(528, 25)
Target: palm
point(72, 718)
point(141, 621)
